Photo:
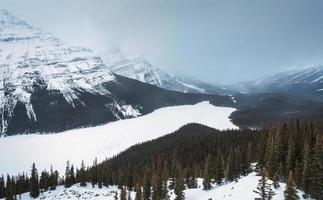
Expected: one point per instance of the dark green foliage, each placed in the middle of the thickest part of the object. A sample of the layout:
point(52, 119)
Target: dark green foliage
point(9, 188)
point(82, 175)
point(207, 176)
point(34, 183)
point(69, 175)
point(290, 192)
point(179, 183)
point(44, 181)
point(147, 185)
point(219, 175)
point(264, 189)
point(138, 190)
point(2, 187)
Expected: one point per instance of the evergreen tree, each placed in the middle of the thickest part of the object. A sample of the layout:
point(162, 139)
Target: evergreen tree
point(191, 180)
point(275, 181)
point(53, 179)
point(147, 186)
point(231, 170)
point(100, 179)
point(44, 181)
point(316, 168)
point(9, 189)
point(165, 176)
point(2, 187)
point(219, 169)
point(123, 194)
point(138, 190)
point(179, 184)
point(290, 191)
point(34, 182)
point(72, 175)
point(207, 179)
point(156, 182)
point(94, 173)
point(82, 175)
point(264, 188)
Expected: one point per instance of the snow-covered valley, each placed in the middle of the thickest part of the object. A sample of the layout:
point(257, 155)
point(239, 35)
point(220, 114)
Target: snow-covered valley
point(103, 141)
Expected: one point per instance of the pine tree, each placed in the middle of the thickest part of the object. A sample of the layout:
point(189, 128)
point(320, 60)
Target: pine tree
point(316, 168)
point(146, 186)
point(290, 191)
point(9, 189)
point(100, 179)
point(276, 181)
point(165, 176)
point(2, 187)
point(156, 182)
point(53, 179)
point(207, 179)
point(191, 180)
point(44, 181)
point(67, 182)
point(138, 190)
point(34, 183)
point(231, 170)
point(72, 175)
point(94, 173)
point(123, 194)
point(264, 188)
point(219, 170)
point(237, 163)
point(82, 175)
point(179, 184)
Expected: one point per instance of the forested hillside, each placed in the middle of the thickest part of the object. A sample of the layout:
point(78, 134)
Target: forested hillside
point(290, 153)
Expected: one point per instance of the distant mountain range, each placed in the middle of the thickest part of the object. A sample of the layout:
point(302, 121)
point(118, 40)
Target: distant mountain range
point(47, 85)
point(305, 81)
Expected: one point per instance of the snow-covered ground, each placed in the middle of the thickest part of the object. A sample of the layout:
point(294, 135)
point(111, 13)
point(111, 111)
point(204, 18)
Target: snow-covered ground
point(19, 152)
point(241, 190)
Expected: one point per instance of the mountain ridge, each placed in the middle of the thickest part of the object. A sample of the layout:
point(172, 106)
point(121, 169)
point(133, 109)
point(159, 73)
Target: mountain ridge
point(133, 65)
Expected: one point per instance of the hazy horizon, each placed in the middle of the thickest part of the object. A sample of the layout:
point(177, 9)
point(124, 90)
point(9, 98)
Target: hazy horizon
point(213, 41)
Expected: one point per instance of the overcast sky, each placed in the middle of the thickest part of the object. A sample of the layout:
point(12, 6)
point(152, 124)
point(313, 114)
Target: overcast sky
point(219, 41)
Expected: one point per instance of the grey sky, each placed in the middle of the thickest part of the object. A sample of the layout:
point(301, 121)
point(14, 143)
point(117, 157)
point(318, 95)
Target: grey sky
point(219, 41)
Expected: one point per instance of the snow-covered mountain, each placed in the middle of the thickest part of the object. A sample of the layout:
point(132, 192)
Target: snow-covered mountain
point(47, 85)
point(134, 65)
point(304, 81)
point(35, 61)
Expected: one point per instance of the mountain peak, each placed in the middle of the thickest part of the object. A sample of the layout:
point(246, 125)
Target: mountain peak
point(8, 19)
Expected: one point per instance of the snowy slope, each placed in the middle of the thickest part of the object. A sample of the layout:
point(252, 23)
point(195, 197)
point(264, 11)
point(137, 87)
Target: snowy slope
point(134, 65)
point(103, 141)
point(241, 190)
